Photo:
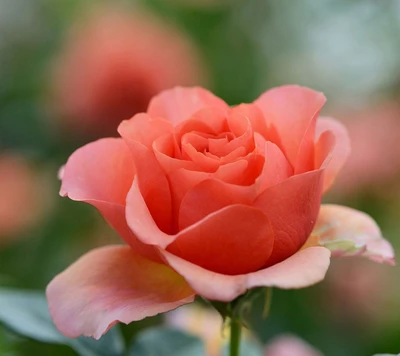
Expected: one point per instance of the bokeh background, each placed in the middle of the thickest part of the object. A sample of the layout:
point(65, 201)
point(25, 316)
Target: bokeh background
point(70, 70)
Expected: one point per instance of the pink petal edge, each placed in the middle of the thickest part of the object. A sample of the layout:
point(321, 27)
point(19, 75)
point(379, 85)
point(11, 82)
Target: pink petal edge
point(337, 226)
point(303, 269)
point(112, 284)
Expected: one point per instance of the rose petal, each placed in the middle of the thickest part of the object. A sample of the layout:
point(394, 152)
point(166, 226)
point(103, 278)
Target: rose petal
point(179, 104)
point(348, 232)
point(152, 180)
point(165, 152)
point(210, 120)
point(112, 284)
point(141, 221)
point(81, 180)
point(210, 196)
point(101, 174)
point(276, 167)
point(217, 242)
point(293, 111)
point(292, 207)
point(182, 181)
point(243, 171)
point(304, 268)
point(254, 115)
point(339, 153)
point(145, 129)
point(208, 284)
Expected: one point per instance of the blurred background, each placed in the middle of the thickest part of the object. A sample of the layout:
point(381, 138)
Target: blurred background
point(71, 70)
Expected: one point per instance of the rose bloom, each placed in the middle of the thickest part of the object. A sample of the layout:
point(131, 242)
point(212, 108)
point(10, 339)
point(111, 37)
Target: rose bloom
point(23, 201)
point(289, 345)
point(113, 62)
point(211, 200)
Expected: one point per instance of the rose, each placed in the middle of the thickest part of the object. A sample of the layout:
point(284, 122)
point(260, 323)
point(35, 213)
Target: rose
point(212, 201)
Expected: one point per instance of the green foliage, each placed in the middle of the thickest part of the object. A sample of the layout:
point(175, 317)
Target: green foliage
point(26, 313)
point(247, 348)
point(166, 342)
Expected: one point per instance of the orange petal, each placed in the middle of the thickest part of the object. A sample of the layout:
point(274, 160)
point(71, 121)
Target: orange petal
point(109, 285)
point(293, 111)
point(208, 197)
point(179, 104)
point(292, 207)
point(335, 153)
point(236, 239)
point(348, 232)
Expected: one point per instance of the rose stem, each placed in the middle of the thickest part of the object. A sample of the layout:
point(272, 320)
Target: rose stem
point(236, 331)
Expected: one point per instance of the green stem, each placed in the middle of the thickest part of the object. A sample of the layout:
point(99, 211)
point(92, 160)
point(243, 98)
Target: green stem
point(236, 332)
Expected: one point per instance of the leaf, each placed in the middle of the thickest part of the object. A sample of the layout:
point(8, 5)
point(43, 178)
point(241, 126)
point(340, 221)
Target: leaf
point(26, 313)
point(247, 348)
point(166, 342)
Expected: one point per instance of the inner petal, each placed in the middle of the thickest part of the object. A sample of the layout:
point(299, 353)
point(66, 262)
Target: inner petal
point(202, 161)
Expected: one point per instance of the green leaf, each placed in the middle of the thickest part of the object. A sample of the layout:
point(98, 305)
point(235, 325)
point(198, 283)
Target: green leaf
point(166, 342)
point(247, 348)
point(26, 313)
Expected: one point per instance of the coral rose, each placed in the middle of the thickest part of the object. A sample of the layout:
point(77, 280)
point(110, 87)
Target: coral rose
point(211, 201)
point(113, 62)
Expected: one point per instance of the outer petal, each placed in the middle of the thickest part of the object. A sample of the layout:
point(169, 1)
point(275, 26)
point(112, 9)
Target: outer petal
point(112, 284)
point(348, 232)
point(208, 284)
point(101, 174)
point(337, 151)
point(101, 171)
point(179, 104)
point(292, 207)
point(293, 111)
point(304, 268)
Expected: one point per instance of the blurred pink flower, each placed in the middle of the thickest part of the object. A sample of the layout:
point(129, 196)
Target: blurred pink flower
point(22, 199)
point(360, 292)
point(113, 62)
point(375, 157)
point(289, 345)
